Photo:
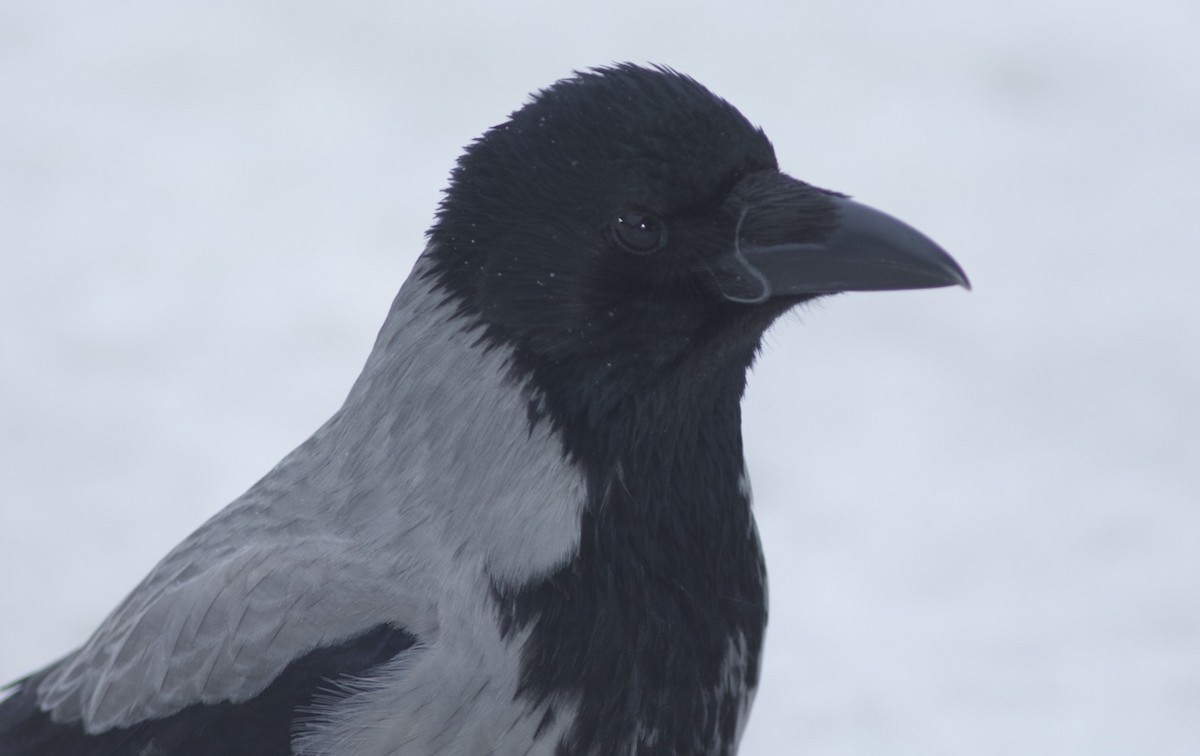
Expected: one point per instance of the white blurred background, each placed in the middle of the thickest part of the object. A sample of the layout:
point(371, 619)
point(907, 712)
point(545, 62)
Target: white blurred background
point(981, 511)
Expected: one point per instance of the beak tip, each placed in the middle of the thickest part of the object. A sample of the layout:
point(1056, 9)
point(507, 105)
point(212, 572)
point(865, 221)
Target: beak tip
point(959, 278)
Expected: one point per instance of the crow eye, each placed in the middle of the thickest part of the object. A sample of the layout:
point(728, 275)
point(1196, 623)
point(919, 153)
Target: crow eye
point(639, 233)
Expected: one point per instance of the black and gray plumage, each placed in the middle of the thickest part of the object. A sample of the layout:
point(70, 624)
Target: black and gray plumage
point(528, 529)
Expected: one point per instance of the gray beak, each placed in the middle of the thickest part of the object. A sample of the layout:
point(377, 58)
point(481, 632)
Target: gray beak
point(864, 250)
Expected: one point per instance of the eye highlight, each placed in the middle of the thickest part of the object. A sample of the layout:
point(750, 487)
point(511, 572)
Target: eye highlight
point(638, 232)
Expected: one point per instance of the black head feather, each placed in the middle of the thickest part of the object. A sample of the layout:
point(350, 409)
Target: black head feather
point(530, 233)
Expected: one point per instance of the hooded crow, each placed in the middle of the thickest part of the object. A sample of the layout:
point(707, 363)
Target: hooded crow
point(528, 529)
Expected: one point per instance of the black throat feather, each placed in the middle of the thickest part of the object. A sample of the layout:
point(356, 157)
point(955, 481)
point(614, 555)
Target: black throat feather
point(654, 630)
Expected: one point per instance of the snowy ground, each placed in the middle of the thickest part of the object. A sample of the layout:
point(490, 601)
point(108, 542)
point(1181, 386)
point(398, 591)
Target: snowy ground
point(981, 511)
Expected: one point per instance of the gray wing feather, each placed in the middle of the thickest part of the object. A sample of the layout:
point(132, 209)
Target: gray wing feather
point(429, 486)
point(224, 633)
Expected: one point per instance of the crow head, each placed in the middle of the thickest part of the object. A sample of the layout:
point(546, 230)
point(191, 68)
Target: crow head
point(629, 217)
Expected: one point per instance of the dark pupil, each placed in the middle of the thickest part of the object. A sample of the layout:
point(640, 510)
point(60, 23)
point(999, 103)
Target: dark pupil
point(638, 232)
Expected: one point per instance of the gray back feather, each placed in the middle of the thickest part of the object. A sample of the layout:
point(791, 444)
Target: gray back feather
point(428, 483)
